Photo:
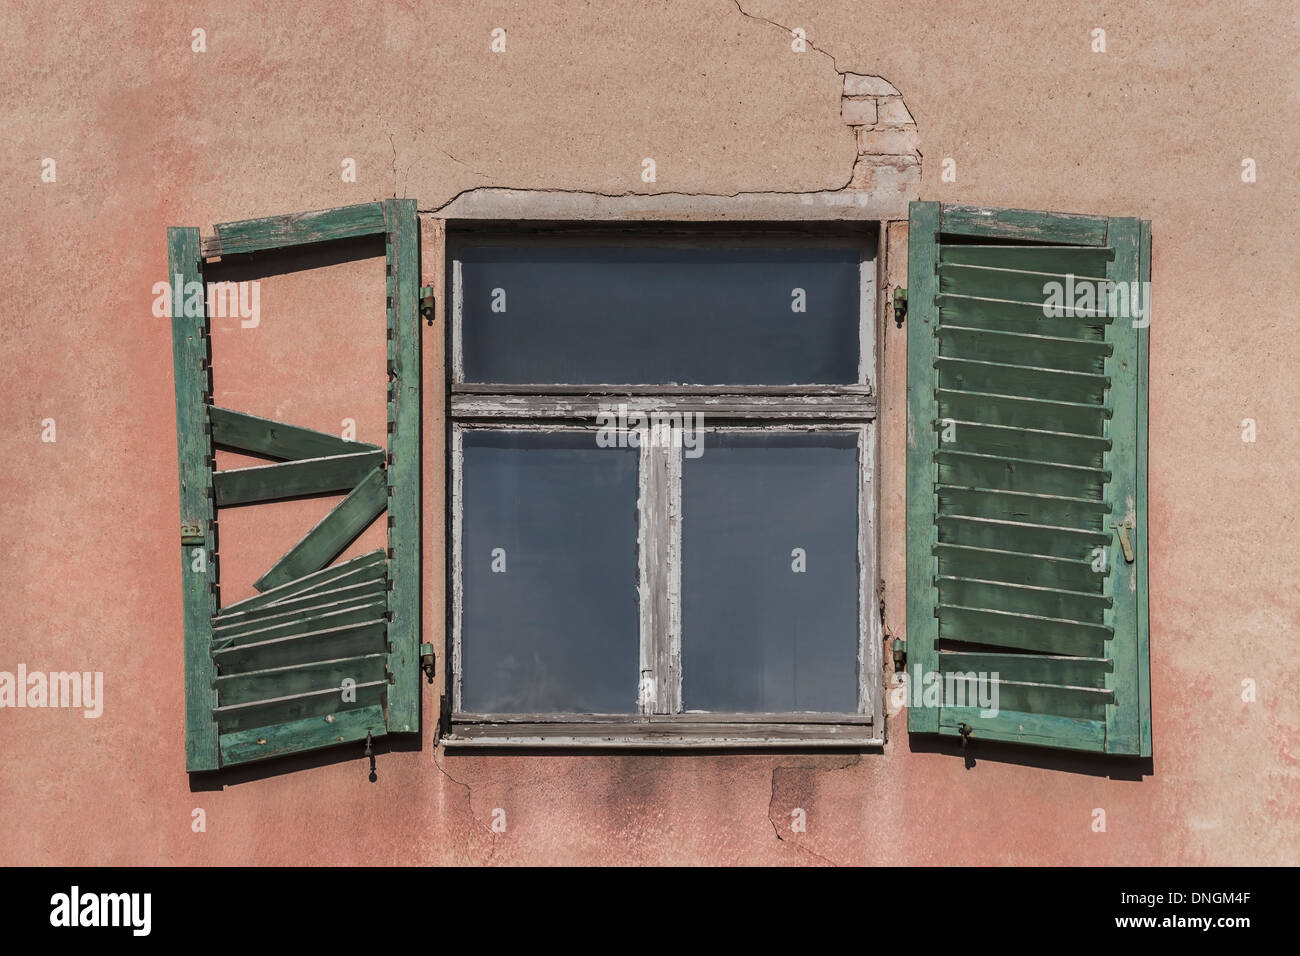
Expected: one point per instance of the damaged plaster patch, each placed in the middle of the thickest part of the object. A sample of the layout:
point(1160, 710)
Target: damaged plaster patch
point(888, 142)
point(808, 769)
point(885, 177)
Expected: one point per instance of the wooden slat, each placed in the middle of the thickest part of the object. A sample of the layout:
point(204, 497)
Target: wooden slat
point(351, 593)
point(1080, 260)
point(1010, 442)
point(332, 534)
point(1018, 410)
point(298, 622)
point(1057, 541)
point(1018, 284)
point(262, 436)
point(1019, 474)
point(293, 479)
point(1039, 668)
point(1055, 510)
point(1086, 606)
point(1030, 632)
point(300, 706)
point(1024, 224)
point(997, 314)
point(346, 640)
point(403, 475)
point(361, 568)
point(1075, 574)
point(1037, 351)
point(279, 682)
point(190, 356)
point(295, 229)
point(1010, 378)
point(302, 735)
point(1070, 733)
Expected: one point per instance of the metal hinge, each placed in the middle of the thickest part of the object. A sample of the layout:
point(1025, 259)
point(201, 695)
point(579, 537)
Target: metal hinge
point(426, 661)
point(900, 305)
point(900, 654)
point(426, 303)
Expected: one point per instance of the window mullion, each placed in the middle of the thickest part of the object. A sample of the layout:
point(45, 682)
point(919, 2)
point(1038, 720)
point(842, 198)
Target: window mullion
point(659, 685)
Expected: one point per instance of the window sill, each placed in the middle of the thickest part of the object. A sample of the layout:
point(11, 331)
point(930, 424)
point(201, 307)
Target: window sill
point(710, 731)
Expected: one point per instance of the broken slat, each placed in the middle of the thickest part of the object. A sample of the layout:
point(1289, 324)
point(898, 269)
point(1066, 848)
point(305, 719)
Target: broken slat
point(1025, 224)
point(301, 228)
point(252, 435)
point(350, 593)
point(367, 563)
point(332, 534)
point(331, 615)
point(293, 479)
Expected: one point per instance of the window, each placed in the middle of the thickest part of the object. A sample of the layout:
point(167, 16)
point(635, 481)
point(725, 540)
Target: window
point(663, 469)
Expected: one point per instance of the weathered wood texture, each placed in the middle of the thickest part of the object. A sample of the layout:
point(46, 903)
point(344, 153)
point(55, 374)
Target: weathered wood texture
point(194, 452)
point(290, 479)
point(849, 406)
point(403, 475)
point(323, 543)
point(295, 229)
point(262, 436)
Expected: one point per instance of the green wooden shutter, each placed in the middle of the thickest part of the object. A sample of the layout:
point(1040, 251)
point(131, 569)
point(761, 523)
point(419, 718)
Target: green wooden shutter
point(1026, 453)
point(264, 676)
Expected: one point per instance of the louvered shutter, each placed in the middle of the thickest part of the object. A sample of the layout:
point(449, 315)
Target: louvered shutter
point(265, 676)
point(1026, 477)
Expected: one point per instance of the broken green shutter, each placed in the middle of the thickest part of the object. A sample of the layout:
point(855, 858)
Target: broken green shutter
point(266, 676)
point(1026, 469)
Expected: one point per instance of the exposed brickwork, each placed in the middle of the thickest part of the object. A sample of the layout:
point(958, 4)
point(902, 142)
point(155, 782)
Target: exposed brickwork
point(889, 154)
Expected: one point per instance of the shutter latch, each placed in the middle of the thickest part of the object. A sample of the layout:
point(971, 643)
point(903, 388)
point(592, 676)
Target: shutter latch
point(1125, 544)
point(900, 305)
point(426, 661)
point(426, 303)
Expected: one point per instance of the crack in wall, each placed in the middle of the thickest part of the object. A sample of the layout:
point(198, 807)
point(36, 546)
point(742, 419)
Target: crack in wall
point(776, 829)
point(790, 30)
point(469, 800)
point(859, 176)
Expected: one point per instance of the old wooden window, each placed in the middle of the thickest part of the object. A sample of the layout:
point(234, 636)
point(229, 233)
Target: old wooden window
point(662, 446)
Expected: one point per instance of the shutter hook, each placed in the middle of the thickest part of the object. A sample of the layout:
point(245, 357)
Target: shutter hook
point(370, 753)
point(965, 731)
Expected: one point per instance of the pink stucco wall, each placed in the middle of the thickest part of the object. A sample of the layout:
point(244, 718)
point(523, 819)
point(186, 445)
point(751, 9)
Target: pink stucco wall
point(148, 134)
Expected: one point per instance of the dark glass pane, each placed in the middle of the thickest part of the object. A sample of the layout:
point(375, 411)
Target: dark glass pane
point(555, 627)
point(640, 313)
point(766, 628)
